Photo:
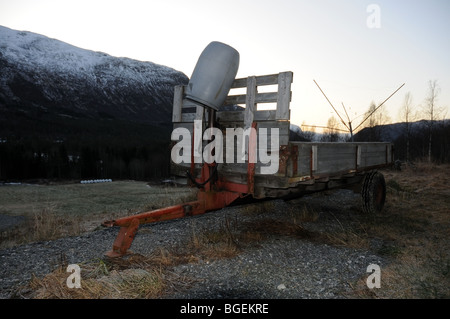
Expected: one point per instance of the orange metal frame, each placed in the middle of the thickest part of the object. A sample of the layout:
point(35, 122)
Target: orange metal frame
point(206, 201)
point(214, 195)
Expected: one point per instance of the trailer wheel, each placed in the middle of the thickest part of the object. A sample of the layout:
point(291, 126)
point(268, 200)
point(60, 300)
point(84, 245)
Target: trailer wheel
point(373, 193)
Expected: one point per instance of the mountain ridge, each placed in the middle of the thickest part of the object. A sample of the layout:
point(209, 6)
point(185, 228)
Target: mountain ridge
point(40, 73)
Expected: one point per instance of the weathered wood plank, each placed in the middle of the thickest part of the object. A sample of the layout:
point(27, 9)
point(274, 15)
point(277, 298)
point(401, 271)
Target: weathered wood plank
point(238, 116)
point(270, 79)
point(267, 97)
point(283, 126)
point(262, 80)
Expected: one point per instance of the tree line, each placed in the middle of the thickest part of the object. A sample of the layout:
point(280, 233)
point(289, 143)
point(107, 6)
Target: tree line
point(56, 160)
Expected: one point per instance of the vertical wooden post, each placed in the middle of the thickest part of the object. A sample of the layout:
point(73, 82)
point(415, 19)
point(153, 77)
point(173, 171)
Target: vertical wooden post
point(250, 102)
point(252, 149)
point(177, 103)
point(313, 159)
point(284, 95)
point(358, 157)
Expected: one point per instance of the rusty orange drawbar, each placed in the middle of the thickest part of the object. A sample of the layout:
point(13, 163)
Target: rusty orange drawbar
point(213, 195)
point(206, 201)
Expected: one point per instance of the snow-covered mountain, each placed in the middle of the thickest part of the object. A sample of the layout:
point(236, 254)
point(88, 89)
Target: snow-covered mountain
point(43, 75)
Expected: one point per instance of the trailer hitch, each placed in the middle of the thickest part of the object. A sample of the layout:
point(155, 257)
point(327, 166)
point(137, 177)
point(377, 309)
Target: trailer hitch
point(206, 201)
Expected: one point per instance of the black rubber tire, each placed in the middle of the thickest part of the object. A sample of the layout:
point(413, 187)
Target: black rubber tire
point(373, 193)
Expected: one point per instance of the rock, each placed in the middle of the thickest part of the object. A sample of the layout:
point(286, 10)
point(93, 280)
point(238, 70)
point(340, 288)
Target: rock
point(281, 287)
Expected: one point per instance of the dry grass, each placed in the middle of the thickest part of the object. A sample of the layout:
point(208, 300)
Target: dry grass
point(215, 244)
point(416, 224)
point(132, 277)
point(108, 282)
point(89, 200)
point(54, 211)
point(44, 224)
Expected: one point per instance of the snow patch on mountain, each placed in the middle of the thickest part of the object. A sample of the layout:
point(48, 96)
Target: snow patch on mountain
point(30, 49)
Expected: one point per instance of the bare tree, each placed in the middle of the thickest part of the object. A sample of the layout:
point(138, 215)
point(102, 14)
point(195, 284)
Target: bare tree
point(310, 133)
point(407, 116)
point(375, 117)
point(331, 133)
point(431, 111)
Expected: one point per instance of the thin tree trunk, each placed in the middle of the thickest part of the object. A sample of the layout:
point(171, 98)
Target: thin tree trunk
point(407, 149)
point(429, 149)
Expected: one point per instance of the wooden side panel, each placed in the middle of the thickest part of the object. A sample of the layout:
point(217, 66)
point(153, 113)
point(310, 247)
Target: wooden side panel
point(304, 159)
point(319, 159)
point(335, 157)
point(373, 154)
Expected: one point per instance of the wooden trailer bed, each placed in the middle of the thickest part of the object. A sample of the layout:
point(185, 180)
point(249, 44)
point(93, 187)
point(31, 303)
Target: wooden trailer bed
point(303, 166)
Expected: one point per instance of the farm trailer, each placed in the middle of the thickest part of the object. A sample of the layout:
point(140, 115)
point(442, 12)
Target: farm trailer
point(302, 167)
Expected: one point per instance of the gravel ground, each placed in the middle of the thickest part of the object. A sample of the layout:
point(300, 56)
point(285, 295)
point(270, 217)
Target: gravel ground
point(279, 267)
